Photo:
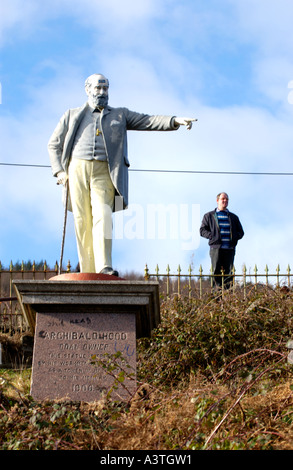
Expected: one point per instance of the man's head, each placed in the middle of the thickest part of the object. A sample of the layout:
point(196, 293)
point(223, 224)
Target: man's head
point(96, 87)
point(222, 201)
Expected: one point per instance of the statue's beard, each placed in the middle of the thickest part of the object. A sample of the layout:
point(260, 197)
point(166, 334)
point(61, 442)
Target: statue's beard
point(99, 101)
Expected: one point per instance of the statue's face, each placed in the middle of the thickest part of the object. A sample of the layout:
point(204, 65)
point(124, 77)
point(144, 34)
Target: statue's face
point(96, 88)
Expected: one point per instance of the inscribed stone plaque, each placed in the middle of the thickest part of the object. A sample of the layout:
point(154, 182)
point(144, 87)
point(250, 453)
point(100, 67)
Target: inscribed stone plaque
point(65, 344)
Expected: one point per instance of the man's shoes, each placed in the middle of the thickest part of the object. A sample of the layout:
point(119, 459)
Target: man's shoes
point(109, 271)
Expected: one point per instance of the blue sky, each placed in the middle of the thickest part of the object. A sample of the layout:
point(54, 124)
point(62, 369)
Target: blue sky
point(228, 63)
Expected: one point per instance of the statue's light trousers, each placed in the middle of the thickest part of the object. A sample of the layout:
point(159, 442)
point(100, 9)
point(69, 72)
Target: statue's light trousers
point(92, 199)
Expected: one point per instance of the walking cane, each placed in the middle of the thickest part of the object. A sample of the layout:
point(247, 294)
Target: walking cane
point(64, 227)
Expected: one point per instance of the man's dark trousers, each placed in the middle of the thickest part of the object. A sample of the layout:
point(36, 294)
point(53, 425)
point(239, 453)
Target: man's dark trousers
point(222, 260)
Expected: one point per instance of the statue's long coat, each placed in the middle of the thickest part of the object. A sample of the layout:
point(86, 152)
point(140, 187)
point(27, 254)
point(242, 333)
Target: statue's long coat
point(115, 123)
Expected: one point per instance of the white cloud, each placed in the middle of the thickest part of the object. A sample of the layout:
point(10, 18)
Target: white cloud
point(14, 19)
point(265, 24)
point(272, 76)
point(158, 56)
point(109, 12)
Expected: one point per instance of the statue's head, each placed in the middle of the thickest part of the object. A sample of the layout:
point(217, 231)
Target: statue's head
point(96, 87)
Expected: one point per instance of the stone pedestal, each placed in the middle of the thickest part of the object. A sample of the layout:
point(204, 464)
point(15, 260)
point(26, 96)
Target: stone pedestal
point(85, 329)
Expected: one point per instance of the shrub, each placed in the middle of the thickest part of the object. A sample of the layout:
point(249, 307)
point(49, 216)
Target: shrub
point(214, 375)
point(207, 334)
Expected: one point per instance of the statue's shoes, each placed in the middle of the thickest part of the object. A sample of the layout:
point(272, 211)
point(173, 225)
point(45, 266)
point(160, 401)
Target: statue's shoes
point(109, 271)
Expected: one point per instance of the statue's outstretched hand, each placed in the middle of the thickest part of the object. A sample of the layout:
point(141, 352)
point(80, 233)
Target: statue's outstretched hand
point(62, 177)
point(184, 121)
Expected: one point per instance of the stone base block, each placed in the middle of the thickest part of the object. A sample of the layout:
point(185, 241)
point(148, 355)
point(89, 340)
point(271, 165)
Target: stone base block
point(85, 330)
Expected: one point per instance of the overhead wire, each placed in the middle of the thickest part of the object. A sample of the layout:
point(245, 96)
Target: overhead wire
point(259, 173)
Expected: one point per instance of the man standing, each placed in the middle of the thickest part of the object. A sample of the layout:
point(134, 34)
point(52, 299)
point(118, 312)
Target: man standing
point(88, 151)
point(223, 230)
